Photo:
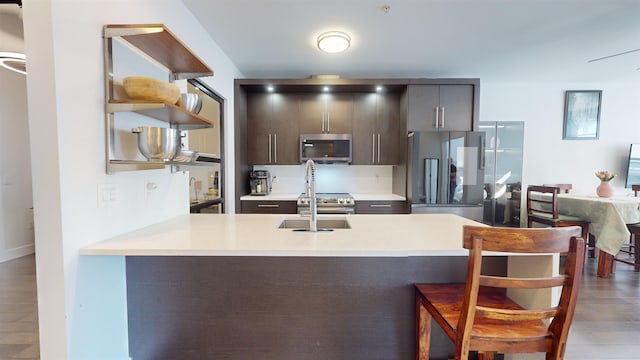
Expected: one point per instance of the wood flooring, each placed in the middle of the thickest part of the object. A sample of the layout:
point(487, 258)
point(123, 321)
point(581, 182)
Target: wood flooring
point(606, 325)
point(18, 310)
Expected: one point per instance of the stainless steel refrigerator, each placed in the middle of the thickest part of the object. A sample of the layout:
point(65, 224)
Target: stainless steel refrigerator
point(446, 172)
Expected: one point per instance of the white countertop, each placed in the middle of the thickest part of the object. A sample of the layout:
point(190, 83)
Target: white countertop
point(362, 197)
point(258, 235)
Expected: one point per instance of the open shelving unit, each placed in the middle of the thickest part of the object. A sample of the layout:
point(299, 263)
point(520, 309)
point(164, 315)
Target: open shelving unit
point(162, 46)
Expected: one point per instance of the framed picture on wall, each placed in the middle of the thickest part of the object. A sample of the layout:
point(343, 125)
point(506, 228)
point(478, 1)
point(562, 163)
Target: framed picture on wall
point(582, 114)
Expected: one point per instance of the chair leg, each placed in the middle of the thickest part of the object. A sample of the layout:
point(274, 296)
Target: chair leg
point(636, 253)
point(585, 236)
point(423, 329)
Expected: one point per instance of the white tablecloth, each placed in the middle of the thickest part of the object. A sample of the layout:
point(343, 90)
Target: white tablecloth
point(607, 216)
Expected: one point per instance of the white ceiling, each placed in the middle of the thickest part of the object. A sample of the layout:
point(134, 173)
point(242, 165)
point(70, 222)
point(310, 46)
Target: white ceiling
point(500, 40)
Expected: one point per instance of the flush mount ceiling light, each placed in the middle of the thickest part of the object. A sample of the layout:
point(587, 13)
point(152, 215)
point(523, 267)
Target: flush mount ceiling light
point(334, 41)
point(13, 61)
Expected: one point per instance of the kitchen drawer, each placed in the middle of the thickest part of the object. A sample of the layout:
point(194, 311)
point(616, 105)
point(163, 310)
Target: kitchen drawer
point(269, 207)
point(381, 207)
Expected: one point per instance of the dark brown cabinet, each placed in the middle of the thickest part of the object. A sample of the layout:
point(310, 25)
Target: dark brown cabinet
point(381, 207)
point(272, 129)
point(376, 129)
point(269, 206)
point(441, 107)
point(327, 113)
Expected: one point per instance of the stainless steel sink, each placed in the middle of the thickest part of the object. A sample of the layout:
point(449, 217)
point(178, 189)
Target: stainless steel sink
point(323, 224)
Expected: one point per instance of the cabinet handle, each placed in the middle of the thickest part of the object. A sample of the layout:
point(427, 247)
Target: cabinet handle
point(437, 116)
point(269, 149)
point(323, 122)
point(275, 148)
point(442, 122)
point(378, 148)
point(328, 122)
point(380, 205)
point(268, 205)
point(373, 148)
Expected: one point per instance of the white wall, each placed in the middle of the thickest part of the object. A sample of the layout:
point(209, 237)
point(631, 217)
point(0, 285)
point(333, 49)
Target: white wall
point(66, 117)
point(16, 201)
point(548, 158)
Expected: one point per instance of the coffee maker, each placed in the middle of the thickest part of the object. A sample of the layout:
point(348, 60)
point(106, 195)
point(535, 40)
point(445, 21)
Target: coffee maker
point(260, 181)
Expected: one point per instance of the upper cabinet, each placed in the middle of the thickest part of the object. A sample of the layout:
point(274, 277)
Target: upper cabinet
point(326, 113)
point(272, 130)
point(376, 129)
point(442, 107)
point(166, 50)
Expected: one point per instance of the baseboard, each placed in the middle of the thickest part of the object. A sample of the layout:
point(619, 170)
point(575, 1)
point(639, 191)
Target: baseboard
point(15, 253)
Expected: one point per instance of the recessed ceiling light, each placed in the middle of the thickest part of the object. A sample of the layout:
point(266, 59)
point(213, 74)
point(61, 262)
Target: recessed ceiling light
point(334, 41)
point(270, 88)
point(13, 61)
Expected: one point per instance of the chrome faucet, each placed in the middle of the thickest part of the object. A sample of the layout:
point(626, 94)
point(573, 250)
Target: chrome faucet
point(310, 182)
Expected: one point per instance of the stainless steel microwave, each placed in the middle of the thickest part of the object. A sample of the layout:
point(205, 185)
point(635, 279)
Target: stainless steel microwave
point(326, 148)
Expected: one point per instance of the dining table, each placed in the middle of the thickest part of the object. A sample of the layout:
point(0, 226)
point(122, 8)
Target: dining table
point(608, 218)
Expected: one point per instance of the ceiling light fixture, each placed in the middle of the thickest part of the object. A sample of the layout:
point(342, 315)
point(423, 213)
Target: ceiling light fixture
point(334, 41)
point(13, 61)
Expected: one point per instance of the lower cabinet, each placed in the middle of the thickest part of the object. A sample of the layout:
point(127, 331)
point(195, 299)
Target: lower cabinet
point(381, 207)
point(269, 207)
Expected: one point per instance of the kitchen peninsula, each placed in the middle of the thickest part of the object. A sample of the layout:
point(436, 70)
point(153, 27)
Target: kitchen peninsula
point(237, 287)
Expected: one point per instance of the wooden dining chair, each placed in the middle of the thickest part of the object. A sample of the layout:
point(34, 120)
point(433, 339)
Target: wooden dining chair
point(542, 208)
point(632, 249)
point(565, 188)
point(479, 316)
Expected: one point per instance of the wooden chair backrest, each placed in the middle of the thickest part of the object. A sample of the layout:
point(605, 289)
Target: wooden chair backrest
point(542, 204)
point(565, 188)
point(523, 240)
point(636, 189)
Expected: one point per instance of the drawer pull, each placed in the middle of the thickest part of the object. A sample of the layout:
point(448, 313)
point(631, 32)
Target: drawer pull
point(380, 205)
point(268, 205)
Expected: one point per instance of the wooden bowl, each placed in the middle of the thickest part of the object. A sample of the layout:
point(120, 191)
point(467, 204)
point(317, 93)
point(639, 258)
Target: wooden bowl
point(146, 88)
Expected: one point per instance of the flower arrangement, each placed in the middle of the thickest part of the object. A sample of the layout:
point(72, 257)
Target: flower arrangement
point(605, 175)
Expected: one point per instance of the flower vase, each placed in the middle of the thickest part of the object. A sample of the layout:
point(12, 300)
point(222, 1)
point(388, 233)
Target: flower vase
point(604, 189)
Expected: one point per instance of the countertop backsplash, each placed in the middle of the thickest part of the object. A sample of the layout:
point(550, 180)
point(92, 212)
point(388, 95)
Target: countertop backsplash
point(332, 178)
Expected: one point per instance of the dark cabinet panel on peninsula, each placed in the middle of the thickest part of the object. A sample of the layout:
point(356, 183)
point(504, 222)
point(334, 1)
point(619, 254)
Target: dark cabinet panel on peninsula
point(376, 129)
point(272, 129)
point(441, 107)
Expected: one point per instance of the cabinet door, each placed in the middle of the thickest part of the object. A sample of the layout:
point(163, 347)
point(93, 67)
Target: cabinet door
point(339, 109)
point(326, 113)
point(364, 132)
point(259, 112)
point(381, 207)
point(388, 129)
point(285, 148)
point(423, 100)
point(312, 113)
point(456, 101)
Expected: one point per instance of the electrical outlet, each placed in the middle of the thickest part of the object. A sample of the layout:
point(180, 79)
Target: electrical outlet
point(107, 194)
